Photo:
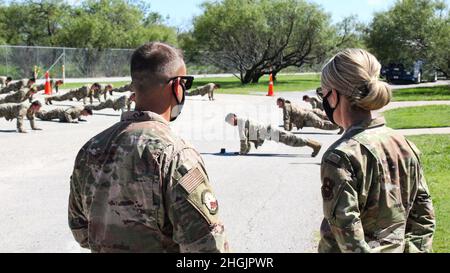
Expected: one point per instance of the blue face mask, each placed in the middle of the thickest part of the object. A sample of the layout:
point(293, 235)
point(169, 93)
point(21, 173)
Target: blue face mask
point(327, 107)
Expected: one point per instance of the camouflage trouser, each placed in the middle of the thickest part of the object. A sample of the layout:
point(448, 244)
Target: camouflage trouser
point(67, 96)
point(312, 120)
point(48, 116)
point(274, 135)
point(200, 92)
point(104, 105)
point(292, 140)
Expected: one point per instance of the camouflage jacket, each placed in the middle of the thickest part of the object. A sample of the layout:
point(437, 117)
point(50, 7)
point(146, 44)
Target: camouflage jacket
point(137, 187)
point(121, 103)
point(251, 131)
point(65, 115)
point(122, 89)
point(206, 89)
point(293, 115)
point(17, 111)
point(17, 97)
point(316, 103)
point(374, 193)
point(14, 86)
point(80, 93)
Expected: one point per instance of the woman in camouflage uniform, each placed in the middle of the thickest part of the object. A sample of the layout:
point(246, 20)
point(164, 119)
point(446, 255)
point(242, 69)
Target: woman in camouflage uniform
point(375, 195)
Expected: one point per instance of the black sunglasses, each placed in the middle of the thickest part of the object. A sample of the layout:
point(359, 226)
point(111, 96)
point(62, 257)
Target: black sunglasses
point(186, 81)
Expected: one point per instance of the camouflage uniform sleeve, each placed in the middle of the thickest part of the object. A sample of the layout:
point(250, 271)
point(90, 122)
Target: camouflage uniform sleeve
point(340, 203)
point(68, 116)
point(287, 120)
point(77, 220)
point(192, 206)
point(30, 117)
point(421, 222)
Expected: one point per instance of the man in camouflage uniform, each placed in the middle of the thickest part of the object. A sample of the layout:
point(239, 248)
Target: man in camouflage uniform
point(315, 102)
point(121, 89)
point(203, 90)
point(25, 83)
point(118, 104)
point(80, 94)
point(137, 187)
point(18, 111)
point(294, 115)
point(97, 91)
point(70, 115)
point(18, 96)
point(379, 221)
point(252, 132)
point(54, 84)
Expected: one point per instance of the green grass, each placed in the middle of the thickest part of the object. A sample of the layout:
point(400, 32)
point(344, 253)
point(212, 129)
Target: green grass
point(232, 85)
point(77, 85)
point(433, 116)
point(423, 93)
point(436, 160)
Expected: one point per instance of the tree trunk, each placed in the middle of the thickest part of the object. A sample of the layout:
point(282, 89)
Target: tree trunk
point(256, 77)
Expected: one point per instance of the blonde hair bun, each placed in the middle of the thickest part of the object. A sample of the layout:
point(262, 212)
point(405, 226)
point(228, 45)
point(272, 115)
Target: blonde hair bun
point(379, 95)
point(354, 73)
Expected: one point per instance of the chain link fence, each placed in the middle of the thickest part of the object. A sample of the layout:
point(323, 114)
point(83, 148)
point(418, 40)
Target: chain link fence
point(24, 62)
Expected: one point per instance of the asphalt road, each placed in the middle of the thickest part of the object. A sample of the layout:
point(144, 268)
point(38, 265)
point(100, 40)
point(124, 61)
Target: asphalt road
point(270, 200)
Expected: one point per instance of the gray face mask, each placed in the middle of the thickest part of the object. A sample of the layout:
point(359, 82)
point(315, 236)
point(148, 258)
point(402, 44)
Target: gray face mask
point(176, 110)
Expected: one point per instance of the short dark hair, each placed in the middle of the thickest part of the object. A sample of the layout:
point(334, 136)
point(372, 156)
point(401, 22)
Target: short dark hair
point(281, 100)
point(217, 85)
point(9, 79)
point(305, 97)
point(32, 79)
point(88, 110)
point(153, 63)
point(96, 85)
point(36, 103)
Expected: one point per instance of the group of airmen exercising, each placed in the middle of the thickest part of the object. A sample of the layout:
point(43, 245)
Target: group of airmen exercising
point(14, 105)
point(16, 101)
point(294, 115)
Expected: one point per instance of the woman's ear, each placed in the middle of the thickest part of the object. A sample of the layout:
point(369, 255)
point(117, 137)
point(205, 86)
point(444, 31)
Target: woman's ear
point(333, 98)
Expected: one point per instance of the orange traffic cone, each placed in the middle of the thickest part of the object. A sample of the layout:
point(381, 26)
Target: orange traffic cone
point(48, 86)
point(270, 94)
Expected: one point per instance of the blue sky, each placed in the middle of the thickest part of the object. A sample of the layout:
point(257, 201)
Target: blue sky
point(181, 11)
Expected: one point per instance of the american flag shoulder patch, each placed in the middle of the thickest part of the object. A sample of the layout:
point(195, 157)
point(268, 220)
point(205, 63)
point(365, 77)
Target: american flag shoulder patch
point(192, 180)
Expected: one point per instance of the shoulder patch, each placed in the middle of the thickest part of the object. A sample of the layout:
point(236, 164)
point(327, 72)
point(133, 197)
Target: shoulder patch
point(192, 180)
point(334, 159)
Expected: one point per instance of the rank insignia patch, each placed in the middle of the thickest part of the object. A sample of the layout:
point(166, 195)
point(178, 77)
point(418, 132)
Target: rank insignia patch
point(327, 189)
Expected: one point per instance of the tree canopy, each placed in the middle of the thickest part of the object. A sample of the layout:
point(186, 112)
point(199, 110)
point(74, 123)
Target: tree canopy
point(257, 37)
point(91, 24)
point(412, 30)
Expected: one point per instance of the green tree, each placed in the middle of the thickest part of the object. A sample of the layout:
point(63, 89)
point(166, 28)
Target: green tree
point(257, 37)
point(411, 30)
point(32, 22)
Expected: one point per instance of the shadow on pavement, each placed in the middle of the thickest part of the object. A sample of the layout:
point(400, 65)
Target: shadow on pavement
point(258, 155)
point(107, 115)
point(8, 131)
point(312, 133)
point(306, 163)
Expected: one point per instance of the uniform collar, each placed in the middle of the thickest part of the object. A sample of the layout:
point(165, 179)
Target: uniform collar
point(140, 116)
point(367, 124)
